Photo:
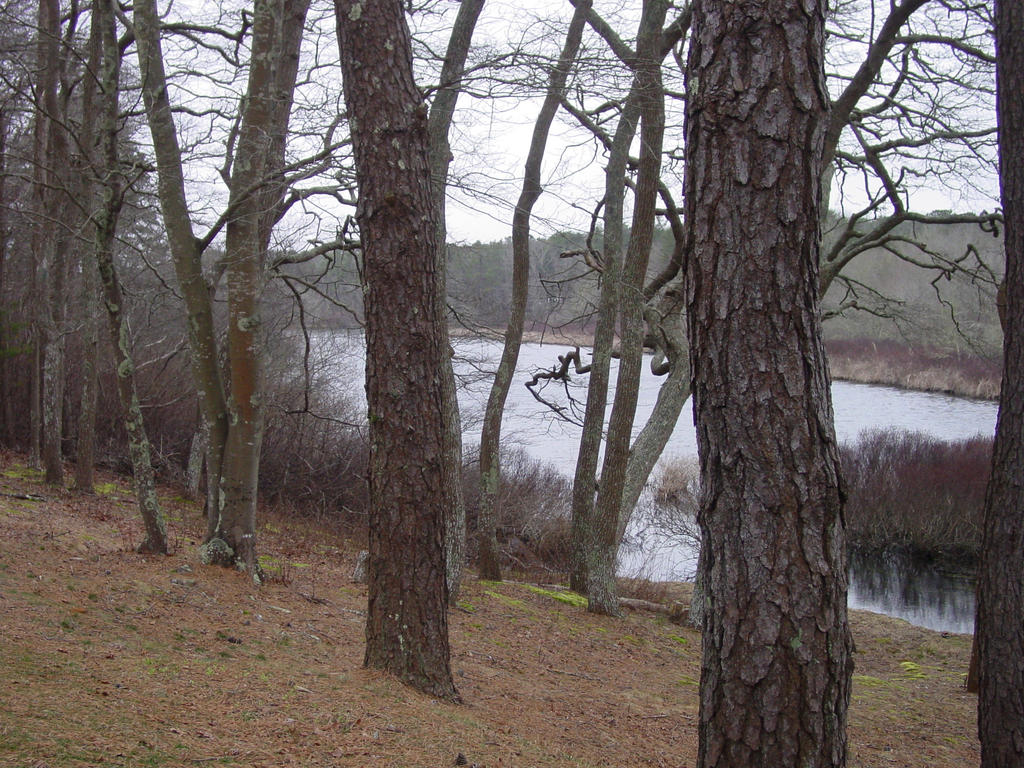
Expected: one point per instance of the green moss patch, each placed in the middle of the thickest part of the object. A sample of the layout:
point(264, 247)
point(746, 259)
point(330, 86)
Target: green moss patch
point(511, 602)
point(870, 682)
point(567, 597)
point(21, 472)
point(912, 671)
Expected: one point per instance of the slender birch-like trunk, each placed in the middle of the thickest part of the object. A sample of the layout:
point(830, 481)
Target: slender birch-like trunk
point(438, 125)
point(489, 563)
point(111, 190)
point(602, 557)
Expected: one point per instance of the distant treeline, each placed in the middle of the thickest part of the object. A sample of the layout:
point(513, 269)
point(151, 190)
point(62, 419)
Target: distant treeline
point(941, 298)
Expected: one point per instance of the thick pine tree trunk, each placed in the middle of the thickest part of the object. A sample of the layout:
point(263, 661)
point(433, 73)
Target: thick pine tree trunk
point(1000, 631)
point(407, 622)
point(775, 681)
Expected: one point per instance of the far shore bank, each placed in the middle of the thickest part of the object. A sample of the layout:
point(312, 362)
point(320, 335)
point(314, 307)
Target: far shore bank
point(861, 361)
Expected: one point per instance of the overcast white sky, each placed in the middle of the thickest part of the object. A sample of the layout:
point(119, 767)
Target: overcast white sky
point(490, 137)
point(491, 143)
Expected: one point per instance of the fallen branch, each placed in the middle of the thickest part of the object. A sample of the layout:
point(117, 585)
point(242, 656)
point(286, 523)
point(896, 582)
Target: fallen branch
point(677, 612)
point(24, 496)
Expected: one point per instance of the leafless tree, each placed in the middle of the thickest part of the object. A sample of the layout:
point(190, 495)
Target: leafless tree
point(51, 160)
point(912, 104)
point(488, 559)
point(110, 186)
point(254, 173)
point(439, 122)
point(888, 78)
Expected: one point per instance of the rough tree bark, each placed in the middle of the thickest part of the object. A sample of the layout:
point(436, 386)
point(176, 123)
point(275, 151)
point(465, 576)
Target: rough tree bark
point(775, 680)
point(49, 155)
point(407, 622)
point(7, 407)
point(85, 448)
point(1000, 633)
point(488, 557)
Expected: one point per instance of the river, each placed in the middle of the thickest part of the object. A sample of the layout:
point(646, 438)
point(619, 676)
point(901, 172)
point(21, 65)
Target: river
point(923, 596)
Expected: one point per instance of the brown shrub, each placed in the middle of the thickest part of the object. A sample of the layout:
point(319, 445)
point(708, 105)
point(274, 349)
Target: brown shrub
point(534, 524)
point(910, 491)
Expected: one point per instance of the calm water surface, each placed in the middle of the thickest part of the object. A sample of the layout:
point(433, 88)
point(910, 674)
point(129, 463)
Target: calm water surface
point(894, 586)
point(857, 407)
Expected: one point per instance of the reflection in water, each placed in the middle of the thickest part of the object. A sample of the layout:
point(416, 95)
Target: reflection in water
point(897, 585)
point(919, 594)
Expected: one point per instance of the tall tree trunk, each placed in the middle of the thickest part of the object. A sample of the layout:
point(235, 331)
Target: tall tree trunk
point(255, 196)
point(775, 680)
point(277, 35)
point(35, 417)
point(1000, 632)
point(185, 249)
point(7, 407)
point(85, 451)
point(438, 125)
point(53, 383)
point(407, 622)
point(233, 424)
point(591, 532)
point(489, 563)
point(584, 536)
point(111, 191)
point(196, 459)
point(602, 558)
point(49, 154)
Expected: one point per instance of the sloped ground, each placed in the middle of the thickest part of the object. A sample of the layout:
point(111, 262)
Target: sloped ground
point(113, 658)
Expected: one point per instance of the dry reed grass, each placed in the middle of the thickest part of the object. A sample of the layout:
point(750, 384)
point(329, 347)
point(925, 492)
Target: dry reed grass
point(895, 364)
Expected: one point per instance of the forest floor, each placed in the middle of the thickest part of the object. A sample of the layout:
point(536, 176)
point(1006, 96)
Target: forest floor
point(118, 659)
